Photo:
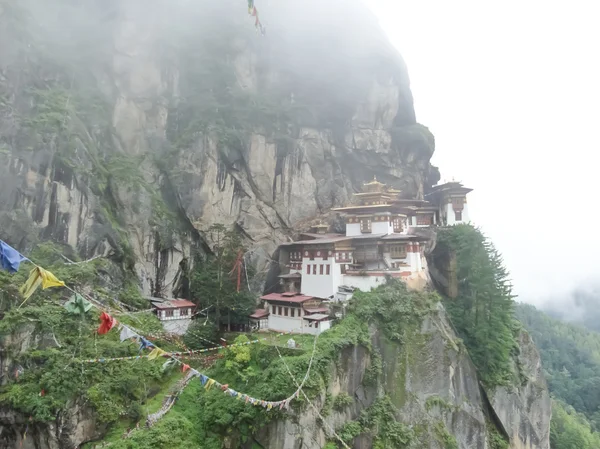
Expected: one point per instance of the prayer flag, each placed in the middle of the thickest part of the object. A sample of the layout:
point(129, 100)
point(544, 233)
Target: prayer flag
point(10, 258)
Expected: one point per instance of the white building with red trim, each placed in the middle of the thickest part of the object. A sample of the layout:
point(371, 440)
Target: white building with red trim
point(295, 312)
point(382, 239)
point(174, 314)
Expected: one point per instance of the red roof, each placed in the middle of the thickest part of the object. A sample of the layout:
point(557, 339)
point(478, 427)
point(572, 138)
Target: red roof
point(260, 313)
point(287, 297)
point(175, 304)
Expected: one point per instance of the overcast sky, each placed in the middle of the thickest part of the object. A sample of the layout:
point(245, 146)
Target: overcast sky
point(511, 91)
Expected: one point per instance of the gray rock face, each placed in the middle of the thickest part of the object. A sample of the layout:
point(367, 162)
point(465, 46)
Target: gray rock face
point(433, 384)
point(115, 113)
point(525, 411)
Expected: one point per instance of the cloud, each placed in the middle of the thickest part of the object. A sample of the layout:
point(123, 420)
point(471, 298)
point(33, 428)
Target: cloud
point(511, 92)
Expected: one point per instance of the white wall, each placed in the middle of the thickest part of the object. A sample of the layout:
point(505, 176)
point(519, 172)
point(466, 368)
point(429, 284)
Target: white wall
point(353, 229)
point(450, 214)
point(319, 285)
point(178, 326)
point(285, 323)
point(322, 327)
point(364, 283)
point(381, 227)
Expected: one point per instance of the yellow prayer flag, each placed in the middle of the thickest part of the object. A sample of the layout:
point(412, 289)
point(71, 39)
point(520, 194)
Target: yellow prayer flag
point(38, 276)
point(209, 384)
point(31, 285)
point(155, 353)
point(49, 280)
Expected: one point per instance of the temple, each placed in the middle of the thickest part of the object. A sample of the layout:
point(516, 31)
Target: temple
point(382, 238)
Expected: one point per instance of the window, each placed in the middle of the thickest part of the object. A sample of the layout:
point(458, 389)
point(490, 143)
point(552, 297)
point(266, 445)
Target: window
point(285, 311)
point(397, 225)
point(321, 269)
point(424, 220)
point(307, 268)
point(458, 215)
point(169, 313)
point(343, 268)
point(328, 271)
point(312, 255)
point(398, 251)
point(365, 225)
point(184, 312)
point(292, 312)
point(280, 312)
point(315, 269)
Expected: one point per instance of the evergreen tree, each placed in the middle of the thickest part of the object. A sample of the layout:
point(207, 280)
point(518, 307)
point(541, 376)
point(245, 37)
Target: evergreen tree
point(483, 312)
point(219, 280)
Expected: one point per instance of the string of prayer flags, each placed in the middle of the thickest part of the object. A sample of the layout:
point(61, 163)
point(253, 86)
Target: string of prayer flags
point(126, 334)
point(10, 258)
point(254, 13)
point(78, 305)
point(38, 276)
point(107, 322)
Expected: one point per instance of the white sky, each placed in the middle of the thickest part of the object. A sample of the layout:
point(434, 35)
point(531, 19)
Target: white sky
point(511, 91)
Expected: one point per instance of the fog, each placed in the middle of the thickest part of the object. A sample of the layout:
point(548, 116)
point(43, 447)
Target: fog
point(510, 91)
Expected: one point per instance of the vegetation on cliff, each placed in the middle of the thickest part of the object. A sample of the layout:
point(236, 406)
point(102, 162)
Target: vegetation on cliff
point(483, 310)
point(571, 360)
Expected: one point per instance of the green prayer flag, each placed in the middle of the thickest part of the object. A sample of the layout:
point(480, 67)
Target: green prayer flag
point(78, 305)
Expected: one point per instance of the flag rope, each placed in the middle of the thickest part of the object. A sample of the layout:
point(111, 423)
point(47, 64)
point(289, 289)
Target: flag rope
point(108, 322)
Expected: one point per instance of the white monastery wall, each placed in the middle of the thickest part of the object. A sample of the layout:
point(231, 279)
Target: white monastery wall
point(353, 229)
point(176, 326)
point(319, 285)
point(381, 227)
point(364, 283)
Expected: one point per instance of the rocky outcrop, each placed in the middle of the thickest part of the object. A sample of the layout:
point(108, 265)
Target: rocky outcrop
point(126, 127)
point(525, 410)
point(70, 428)
point(435, 390)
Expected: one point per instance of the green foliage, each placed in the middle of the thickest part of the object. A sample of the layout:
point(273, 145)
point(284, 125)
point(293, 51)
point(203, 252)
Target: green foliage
point(112, 389)
point(214, 280)
point(483, 312)
point(200, 334)
point(349, 431)
point(374, 370)
point(396, 310)
point(571, 360)
point(436, 401)
point(380, 420)
point(571, 430)
point(238, 358)
point(131, 295)
point(446, 438)
point(495, 438)
point(342, 401)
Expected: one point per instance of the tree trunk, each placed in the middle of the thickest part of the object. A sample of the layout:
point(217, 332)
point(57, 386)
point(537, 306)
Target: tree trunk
point(228, 320)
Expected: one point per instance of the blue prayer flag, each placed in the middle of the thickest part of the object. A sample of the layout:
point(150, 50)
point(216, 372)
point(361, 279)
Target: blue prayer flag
point(10, 258)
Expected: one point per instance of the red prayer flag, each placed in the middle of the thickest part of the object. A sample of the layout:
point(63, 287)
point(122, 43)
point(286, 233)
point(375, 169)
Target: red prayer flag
point(107, 322)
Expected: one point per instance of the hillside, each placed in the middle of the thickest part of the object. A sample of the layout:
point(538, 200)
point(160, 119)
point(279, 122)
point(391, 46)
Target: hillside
point(571, 359)
point(150, 149)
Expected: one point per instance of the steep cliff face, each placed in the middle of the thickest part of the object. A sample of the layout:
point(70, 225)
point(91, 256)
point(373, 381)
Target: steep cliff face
point(434, 391)
point(126, 126)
